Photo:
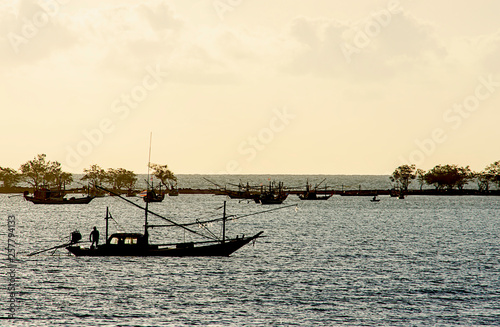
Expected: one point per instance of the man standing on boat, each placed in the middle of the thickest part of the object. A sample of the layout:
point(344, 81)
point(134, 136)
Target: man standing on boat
point(94, 237)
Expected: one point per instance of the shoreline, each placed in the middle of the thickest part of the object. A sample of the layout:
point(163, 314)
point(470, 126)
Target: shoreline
point(355, 192)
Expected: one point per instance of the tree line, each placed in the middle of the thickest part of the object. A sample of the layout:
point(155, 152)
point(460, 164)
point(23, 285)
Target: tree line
point(43, 173)
point(447, 177)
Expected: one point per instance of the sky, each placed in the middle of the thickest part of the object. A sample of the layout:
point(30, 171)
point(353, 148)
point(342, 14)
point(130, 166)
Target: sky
point(250, 87)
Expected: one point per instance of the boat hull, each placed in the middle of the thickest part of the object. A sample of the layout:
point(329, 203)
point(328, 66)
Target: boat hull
point(180, 250)
point(272, 199)
point(83, 200)
point(313, 196)
point(153, 197)
point(241, 195)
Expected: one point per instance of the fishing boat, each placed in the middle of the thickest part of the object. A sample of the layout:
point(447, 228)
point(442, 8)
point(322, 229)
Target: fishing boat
point(243, 192)
point(375, 199)
point(312, 193)
point(173, 191)
point(275, 194)
point(46, 196)
point(152, 196)
point(137, 244)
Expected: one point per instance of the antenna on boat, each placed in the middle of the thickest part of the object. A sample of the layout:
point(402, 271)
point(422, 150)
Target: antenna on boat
point(224, 224)
point(149, 156)
point(147, 190)
point(107, 222)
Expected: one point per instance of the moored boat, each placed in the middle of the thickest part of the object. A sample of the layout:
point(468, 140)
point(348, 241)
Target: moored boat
point(136, 244)
point(45, 196)
point(275, 194)
point(152, 196)
point(313, 194)
point(244, 192)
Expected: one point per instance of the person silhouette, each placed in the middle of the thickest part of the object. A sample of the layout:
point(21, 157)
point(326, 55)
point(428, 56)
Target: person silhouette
point(94, 237)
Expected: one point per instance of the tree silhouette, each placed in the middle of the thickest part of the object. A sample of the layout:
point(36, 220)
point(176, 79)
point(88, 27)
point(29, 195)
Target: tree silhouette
point(9, 176)
point(94, 175)
point(403, 175)
point(420, 173)
point(448, 176)
point(121, 178)
point(165, 175)
point(492, 172)
point(40, 172)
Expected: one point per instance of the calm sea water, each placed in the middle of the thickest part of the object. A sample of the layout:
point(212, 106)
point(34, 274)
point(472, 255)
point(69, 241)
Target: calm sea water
point(345, 261)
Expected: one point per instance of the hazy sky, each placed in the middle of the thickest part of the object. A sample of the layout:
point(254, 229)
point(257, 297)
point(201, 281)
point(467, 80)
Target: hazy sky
point(240, 86)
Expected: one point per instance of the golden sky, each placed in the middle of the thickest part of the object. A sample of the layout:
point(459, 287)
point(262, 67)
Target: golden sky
point(239, 86)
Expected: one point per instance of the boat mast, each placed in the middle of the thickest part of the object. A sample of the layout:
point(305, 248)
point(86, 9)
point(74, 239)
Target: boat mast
point(147, 191)
point(107, 219)
point(224, 224)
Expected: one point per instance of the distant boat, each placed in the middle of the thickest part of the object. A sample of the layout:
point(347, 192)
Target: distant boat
point(243, 192)
point(375, 199)
point(314, 196)
point(173, 191)
point(151, 195)
point(395, 193)
point(312, 193)
point(275, 194)
point(46, 196)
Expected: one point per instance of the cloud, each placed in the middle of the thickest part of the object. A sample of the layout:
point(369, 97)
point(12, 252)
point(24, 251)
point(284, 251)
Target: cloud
point(30, 32)
point(120, 40)
point(317, 48)
point(410, 37)
point(120, 37)
point(489, 48)
point(376, 47)
point(160, 16)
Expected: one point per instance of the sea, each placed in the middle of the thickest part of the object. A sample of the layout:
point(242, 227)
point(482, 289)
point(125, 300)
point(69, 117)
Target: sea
point(347, 261)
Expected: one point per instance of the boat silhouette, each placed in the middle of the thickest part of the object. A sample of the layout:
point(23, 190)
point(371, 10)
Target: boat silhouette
point(274, 194)
point(312, 193)
point(46, 196)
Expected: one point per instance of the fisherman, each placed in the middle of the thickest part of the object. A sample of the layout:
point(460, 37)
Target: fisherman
point(94, 237)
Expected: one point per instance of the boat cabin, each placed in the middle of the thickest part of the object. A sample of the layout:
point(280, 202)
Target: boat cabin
point(127, 239)
point(44, 193)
